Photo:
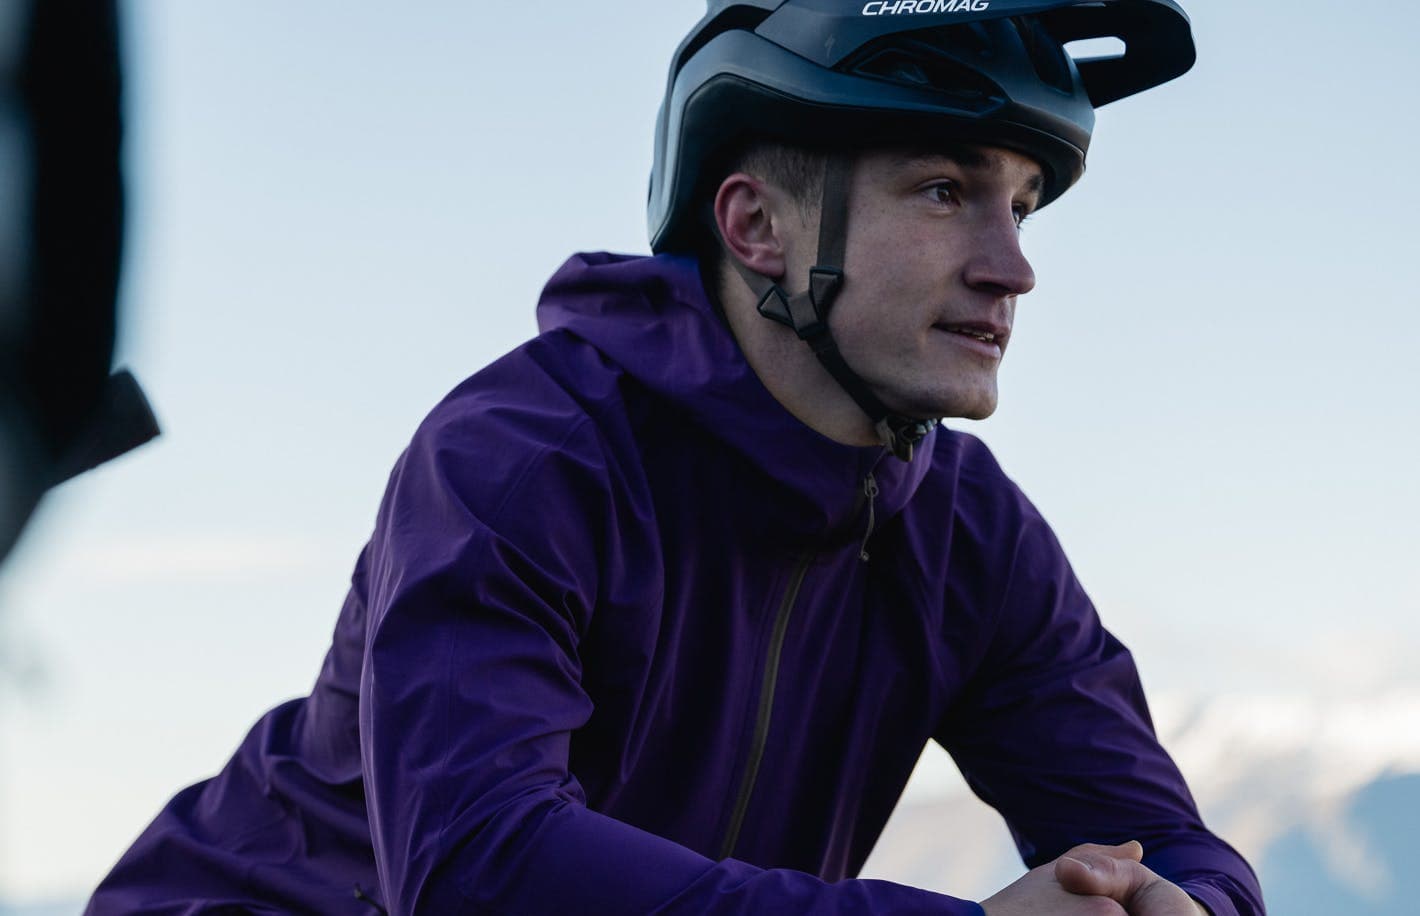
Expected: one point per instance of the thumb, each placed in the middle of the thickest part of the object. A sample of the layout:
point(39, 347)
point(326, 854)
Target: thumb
point(1132, 850)
point(1105, 871)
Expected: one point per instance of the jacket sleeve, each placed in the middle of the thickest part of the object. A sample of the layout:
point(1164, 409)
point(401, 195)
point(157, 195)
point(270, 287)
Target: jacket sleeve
point(471, 689)
point(1055, 734)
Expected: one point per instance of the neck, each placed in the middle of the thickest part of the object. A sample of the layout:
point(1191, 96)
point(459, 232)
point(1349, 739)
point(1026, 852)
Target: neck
point(790, 371)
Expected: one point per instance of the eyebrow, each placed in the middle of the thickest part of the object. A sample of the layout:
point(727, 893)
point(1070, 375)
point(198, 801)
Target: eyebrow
point(970, 157)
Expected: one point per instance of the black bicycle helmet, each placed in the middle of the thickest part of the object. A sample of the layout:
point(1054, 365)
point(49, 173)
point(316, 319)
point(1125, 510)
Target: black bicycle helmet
point(838, 74)
point(828, 73)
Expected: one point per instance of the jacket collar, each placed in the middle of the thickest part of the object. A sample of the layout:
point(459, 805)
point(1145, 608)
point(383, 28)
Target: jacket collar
point(653, 318)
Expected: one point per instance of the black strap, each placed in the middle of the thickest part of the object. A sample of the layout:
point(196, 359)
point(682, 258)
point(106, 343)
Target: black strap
point(807, 312)
point(833, 214)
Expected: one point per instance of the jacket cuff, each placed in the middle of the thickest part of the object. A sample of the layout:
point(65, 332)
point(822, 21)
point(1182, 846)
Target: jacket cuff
point(1216, 902)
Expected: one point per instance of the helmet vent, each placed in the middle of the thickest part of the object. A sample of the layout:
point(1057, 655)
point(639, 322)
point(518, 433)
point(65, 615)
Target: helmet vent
point(920, 66)
point(1045, 53)
point(1103, 48)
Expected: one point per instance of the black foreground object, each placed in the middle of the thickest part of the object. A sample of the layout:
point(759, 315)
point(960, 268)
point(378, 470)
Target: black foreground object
point(61, 231)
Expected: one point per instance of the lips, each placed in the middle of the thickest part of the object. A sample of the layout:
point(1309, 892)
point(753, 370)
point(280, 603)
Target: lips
point(987, 333)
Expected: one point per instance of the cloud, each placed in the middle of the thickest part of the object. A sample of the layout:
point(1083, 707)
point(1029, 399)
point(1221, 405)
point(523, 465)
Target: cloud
point(198, 557)
point(1328, 746)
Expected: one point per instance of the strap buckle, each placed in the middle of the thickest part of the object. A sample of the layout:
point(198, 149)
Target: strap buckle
point(806, 312)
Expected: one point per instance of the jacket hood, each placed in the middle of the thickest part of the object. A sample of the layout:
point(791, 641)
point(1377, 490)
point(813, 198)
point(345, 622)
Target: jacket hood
point(652, 317)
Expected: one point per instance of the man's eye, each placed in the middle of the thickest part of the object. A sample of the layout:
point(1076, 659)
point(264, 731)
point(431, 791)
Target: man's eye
point(943, 192)
point(1022, 214)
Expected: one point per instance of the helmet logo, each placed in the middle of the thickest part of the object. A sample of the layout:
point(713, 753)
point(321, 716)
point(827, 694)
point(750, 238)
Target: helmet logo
point(898, 7)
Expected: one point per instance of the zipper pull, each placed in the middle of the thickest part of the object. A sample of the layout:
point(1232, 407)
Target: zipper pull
point(870, 490)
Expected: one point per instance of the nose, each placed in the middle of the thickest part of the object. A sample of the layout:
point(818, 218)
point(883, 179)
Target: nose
point(997, 265)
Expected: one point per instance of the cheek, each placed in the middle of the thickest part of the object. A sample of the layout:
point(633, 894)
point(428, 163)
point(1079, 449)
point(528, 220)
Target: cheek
point(911, 257)
point(877, 324)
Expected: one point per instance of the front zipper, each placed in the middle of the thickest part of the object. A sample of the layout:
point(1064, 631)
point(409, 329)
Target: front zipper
point(766, 706)
point(868, 494)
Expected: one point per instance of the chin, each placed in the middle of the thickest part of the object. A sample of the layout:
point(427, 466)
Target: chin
point(972, 404)
point(978, 408)
point(977, 413)
point(973, 397)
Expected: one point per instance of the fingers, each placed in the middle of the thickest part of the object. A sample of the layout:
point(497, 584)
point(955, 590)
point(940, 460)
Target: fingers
point(1106, 871)
point(1130, 850)
point(1118, 873)
point(1038, 892)
point(1079, 877)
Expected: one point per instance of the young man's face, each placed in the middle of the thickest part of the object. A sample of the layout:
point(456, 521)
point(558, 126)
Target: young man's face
point(933, 268)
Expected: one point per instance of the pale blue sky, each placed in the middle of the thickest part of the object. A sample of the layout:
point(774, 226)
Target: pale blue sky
point(340, 210)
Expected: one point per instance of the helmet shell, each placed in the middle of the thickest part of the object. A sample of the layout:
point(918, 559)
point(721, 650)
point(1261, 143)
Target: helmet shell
point(855, 73)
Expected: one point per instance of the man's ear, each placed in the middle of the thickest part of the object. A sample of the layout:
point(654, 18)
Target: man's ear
point(745, 217)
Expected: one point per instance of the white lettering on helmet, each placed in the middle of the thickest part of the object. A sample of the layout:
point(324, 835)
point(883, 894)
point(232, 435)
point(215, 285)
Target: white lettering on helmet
point(896, 7)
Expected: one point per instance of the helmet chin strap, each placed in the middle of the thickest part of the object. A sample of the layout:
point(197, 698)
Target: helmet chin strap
point(807, 312)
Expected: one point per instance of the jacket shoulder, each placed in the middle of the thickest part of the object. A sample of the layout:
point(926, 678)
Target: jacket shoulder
point(1005, 568)
point(979, 489)
point(529, 452)
point(551, 406)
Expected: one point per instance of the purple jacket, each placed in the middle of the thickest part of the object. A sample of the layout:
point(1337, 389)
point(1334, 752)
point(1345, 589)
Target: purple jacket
point(629, 638)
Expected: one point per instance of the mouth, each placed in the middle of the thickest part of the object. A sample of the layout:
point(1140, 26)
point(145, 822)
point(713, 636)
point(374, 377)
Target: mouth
point(982, 337)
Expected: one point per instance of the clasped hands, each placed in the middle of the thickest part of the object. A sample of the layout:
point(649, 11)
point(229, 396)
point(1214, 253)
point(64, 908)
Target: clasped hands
point(1092, 880)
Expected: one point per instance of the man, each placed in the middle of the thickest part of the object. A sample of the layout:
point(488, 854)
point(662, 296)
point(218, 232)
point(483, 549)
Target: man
point(661, 608)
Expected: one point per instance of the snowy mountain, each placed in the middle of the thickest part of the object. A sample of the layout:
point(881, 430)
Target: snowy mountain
point(1323, 797)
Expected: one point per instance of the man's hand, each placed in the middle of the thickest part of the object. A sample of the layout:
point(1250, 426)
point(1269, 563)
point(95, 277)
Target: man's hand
point(1117, 872)
point(1092, 880)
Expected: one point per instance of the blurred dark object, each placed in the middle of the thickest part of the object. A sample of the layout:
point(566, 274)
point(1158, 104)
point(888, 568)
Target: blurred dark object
point(61, 234)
